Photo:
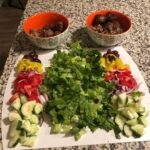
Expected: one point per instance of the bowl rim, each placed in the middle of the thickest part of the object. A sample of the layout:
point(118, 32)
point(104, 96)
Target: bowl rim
point(108, 35)
point(51, 37)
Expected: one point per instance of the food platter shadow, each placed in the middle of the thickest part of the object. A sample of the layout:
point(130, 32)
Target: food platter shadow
point(6, 122)
point(22, 43)
point(85, 41)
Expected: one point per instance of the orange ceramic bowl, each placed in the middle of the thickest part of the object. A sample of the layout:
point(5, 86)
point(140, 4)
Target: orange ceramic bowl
point(41, 19)
point(108, 39)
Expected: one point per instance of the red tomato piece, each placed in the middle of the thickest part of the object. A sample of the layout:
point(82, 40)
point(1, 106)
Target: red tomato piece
point(35, 80)
point(123, 77)
point(36, 98)
point(27, 89)
point(21, 84)
point(27, 83)
point(22, 75)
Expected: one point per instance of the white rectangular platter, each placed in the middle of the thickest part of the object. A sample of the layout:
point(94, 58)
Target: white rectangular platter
point(47, 140)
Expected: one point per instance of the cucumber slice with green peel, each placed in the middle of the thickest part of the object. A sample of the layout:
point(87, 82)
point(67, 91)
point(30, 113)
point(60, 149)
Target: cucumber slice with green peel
point(136, 95)
point(16, 104)
point(142, 120)
point(134, 113)
point(78, 135)
point(66, 128)
point(34, 119)
point(14, 140)
point(28, 141)
point(114, 99)
point(38, 108)
point(120, 105)
point(57, 128)
point(19, 125)
point(27, 108)
point(34, 130)
point(132, 122)
point(127, 131)
point(145, 113)
point(127, 113)
point(14, 115)
point(137, 107)
point(13, 128)
point(137, 99)
point(26, 125)
point(122, 98)
point(138, 129)
point(129, 100)
point(121, 109)
point(141, 109)
point(23, 98)
point(120, 121)
point(75, 119)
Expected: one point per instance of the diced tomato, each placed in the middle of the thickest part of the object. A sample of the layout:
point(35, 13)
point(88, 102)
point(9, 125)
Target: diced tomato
point(36, 98)
point(35, 80)
point(123, 78)
point(13, 98)
point(109, 76)
point(28, 83)
point(22, 75)
point(27, 89)
point(21, 84)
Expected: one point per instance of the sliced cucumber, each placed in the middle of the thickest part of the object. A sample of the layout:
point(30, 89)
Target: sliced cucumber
point(127, 131)
point(27, 108)
point(122, 99)
point(141, 109)
point(26, 125)
point(57, 128)
point(114, 100)
point(145, 113)
point(14, 140)
point(120, 121)
point(14, 115)
point(79, 134)
point(138, 129)
point(132, 122)
point(38, 108)
point(16, 104)
point(34, 130)
point(33, 119)
point(136, 95)
point(120, 105)
point(127, 113)
point(143, 120)
point(23, 99)
point(75, 119)
point(129, 100)
point(19, 125)
point(66, 128)
point(13, 128)
point(137, 107)
point(135, 115)
point(28, 141)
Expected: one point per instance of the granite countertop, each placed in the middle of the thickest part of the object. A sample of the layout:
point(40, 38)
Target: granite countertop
point(137, 43)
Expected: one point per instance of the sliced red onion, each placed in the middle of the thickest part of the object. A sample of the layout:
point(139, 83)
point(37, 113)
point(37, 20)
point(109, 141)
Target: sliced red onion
point(43, 100)
point(45, 96)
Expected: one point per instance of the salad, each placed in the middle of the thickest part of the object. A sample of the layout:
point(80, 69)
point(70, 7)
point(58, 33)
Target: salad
point(82, 89)
point(86, 89)
point(25, 104)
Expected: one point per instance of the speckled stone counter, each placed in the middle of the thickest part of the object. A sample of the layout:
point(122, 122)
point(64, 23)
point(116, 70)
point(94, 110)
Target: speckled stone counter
point(137, 43)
